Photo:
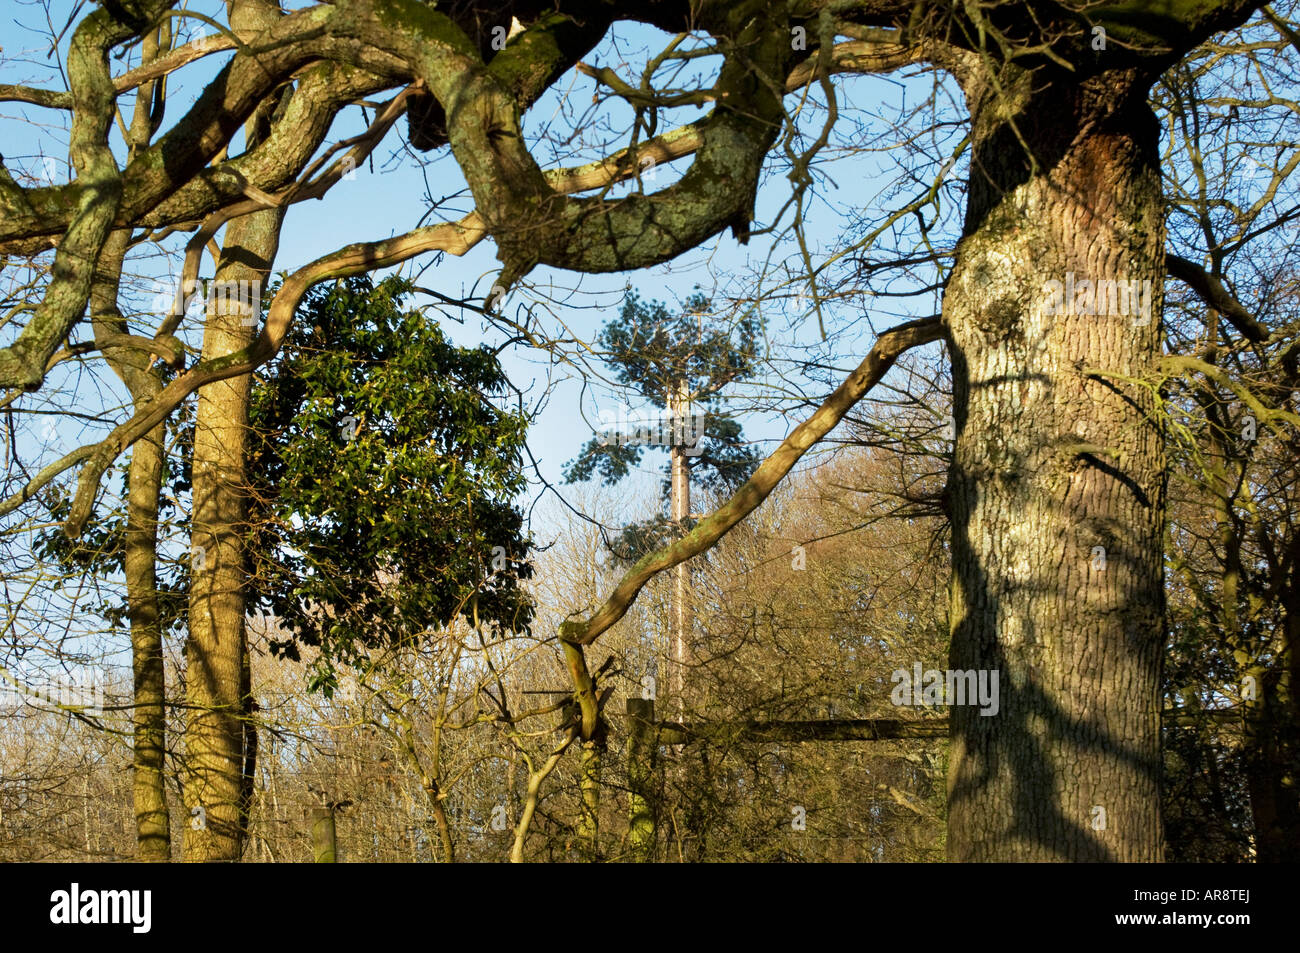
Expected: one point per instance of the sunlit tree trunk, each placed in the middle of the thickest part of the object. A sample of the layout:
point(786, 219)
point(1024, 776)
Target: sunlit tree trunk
point(589, 809)
point(152, 821)
point(220, 747)
point(136, 368)
point(215, 673)
point(144, 485)
point(1057, 485)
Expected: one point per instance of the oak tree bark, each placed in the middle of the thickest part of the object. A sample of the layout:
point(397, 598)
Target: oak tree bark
point(1057, 488)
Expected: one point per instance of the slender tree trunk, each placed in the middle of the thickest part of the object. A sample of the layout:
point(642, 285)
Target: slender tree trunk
point(589, 816)
point(680, 504)
point(1057, 483)
point(1273, 737)
point(153, 826)
point(1263, 710)
point(324, 836)
point(444, 832)
point(248, 780)
point(641, 749)
point(144, 485)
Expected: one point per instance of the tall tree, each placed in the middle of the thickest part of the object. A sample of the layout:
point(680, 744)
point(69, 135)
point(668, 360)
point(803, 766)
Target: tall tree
point(220, 735)
point(1057, 489)
point(679, 364)
point(219, 731)
point(383, 479)
point(143, 378)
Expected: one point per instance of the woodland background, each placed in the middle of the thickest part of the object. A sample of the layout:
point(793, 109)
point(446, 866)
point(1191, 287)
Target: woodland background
point(400, 505)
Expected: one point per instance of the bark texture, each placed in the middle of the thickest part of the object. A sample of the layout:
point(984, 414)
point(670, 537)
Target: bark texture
point(215, 662)
point(134, 366)
point(220, 739)
point(1057, 484)
point(152, 819)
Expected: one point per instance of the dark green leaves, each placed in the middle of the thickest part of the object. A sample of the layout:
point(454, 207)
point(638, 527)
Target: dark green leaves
point(654, 353)
point(382, 479)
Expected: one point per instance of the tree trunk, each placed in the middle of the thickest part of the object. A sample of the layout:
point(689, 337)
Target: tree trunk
point(153, 826)
point(324, 837)
point(680, 503)
point(1056, 488)
point(444, 832)
point(136, 369)
point(1273, 737)
point(144, 485)
point(220, 739)
point(589, 809)
point(641, 749)
point(215, 664)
